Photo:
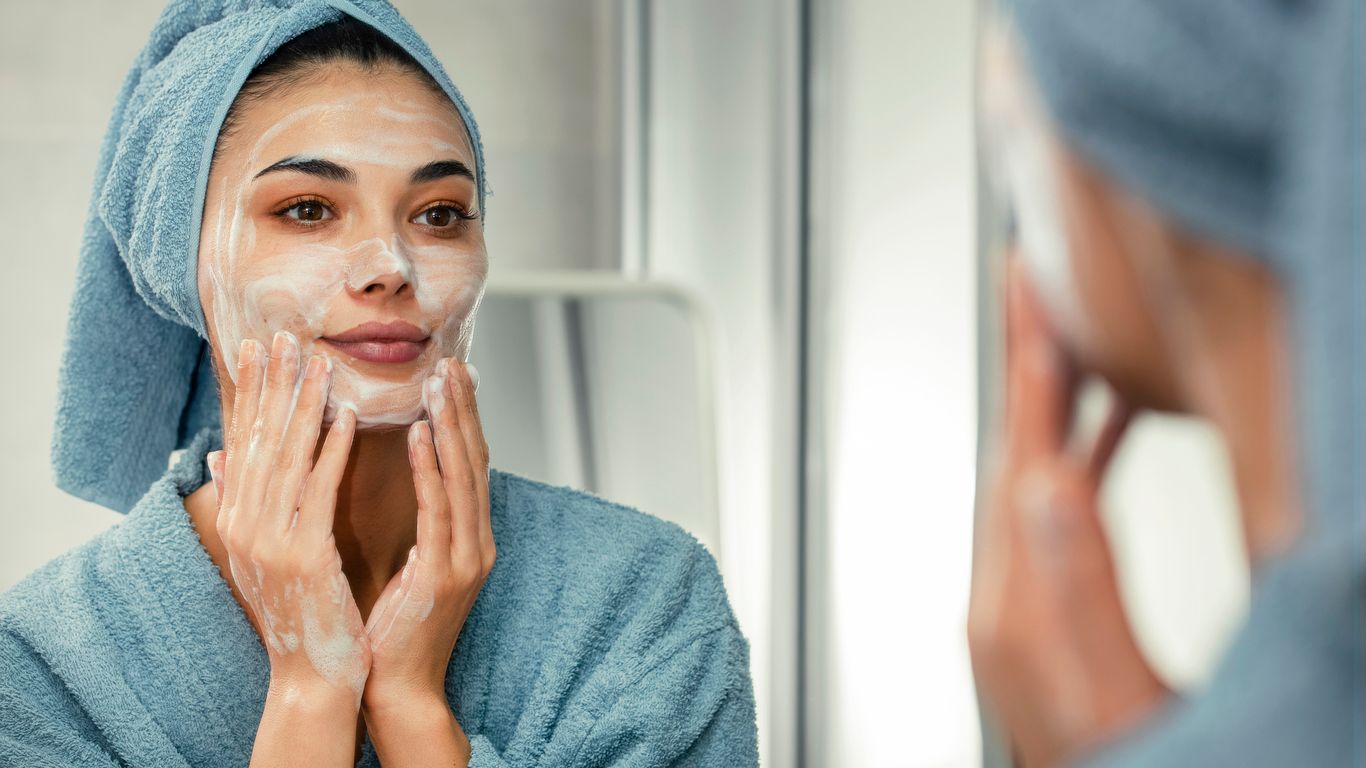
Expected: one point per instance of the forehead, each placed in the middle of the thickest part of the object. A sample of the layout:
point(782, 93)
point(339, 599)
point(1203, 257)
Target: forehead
point(381, 118)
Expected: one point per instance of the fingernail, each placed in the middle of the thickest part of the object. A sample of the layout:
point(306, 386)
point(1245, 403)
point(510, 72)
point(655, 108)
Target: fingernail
point(277, 345)
point(432, 395)
point(211, 461)
point(474, 375)
point(247, 353)
point(316, 366)
point(414, 434)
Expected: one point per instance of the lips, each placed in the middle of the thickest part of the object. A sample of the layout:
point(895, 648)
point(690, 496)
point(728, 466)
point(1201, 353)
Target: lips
point(375, 342)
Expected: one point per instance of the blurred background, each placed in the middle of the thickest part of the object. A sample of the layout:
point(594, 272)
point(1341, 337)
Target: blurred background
point(736, 282)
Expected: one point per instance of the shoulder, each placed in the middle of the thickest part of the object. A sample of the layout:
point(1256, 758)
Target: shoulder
point(66, 599)
point(54, 588)
point(578, 512)
point(640, 568)
point(600, 530)
point(47, 618)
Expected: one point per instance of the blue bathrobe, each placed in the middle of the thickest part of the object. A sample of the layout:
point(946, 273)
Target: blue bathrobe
point(602, 637)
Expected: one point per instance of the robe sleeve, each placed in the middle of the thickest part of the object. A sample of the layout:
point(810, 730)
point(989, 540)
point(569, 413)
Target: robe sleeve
point(40, 724)
point(1290, 691)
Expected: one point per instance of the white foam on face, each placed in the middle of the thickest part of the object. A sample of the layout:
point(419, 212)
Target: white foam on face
point(307, 284)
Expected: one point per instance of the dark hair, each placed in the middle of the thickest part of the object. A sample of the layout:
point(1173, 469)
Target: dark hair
point(304, 56)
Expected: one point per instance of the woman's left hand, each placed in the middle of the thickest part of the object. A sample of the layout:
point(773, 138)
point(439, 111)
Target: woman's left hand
point(1052, 649)
point(417, 618)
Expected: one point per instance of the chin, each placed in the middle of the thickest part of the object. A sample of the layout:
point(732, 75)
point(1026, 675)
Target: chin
point(387, 414)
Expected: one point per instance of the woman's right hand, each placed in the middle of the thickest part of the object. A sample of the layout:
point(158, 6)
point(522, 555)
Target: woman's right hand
point(276, 507)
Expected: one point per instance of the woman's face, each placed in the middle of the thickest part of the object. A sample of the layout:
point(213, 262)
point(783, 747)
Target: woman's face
point(1076, 237)
point(343, 209)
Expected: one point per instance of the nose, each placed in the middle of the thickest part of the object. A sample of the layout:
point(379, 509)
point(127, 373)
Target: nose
point(378, 269)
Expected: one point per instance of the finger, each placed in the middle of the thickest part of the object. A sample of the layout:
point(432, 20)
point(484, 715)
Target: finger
point(433, 508)
point(282, 375)
point(390, 605)
point(300, 442)
point(1107, 440)
point(476, 449)
point(1080, 571)
point(452, 458)
point(1040, 383)
point(246, 398)
point(469, 507)
point(214, 461)
point(318, 502)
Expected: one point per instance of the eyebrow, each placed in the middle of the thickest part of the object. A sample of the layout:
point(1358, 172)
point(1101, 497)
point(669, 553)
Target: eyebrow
point(327, 169)
point(440, 170)
point(313, 166)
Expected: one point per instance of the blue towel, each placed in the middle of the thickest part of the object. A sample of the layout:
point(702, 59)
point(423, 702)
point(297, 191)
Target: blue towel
point(136, 381)
point(603, 637)
point(1241, 119)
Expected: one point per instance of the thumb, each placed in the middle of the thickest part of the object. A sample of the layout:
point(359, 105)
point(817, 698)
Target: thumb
point(1081, 571)
point(1067, 543)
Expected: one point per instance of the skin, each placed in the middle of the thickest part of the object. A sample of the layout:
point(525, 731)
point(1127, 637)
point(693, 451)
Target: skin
point(1170, 322)
point(349, 511)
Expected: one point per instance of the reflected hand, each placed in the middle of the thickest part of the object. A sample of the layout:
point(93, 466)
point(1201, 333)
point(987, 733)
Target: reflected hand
point(1052, 649)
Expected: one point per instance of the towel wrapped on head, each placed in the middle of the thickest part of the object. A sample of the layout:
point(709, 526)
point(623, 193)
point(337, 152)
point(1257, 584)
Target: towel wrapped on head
point(1241, 121)
point(137, 380)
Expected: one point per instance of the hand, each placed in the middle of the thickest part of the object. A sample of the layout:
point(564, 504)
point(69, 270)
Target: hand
point(275, 521)
point(417, 618)
point(1051, 646)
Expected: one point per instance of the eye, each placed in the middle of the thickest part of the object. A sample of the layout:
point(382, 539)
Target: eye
point(444, 218)
point(308, 212)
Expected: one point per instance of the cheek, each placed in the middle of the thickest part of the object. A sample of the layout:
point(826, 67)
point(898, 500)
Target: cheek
point(294, 301)
point(450, 287)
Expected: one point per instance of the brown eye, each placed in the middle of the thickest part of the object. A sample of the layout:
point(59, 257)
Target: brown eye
point(310, 211)
point(441, 216)
point(307, 212)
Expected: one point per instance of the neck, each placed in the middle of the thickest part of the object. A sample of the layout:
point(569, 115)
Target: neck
point(376, 516)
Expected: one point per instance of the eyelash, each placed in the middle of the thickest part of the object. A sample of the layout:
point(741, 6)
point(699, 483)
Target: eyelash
point(459, 214)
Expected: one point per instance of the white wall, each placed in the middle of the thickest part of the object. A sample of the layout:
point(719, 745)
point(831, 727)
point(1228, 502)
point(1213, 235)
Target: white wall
point(61, 65)
point(893, 227)
point(720, 218)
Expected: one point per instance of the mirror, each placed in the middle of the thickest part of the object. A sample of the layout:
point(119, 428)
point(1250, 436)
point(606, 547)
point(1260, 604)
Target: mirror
point(605, 385)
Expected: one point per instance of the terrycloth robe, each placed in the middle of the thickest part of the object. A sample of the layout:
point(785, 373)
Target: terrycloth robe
point(602, 637)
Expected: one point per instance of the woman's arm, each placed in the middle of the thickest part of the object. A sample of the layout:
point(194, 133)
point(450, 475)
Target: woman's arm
point(418, 733)
point(306, 726)
point(419, 616)
point(277, 530)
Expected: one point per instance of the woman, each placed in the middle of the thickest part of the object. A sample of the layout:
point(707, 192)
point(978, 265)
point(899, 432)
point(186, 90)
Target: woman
point(331, 596)
point(1187, 192)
